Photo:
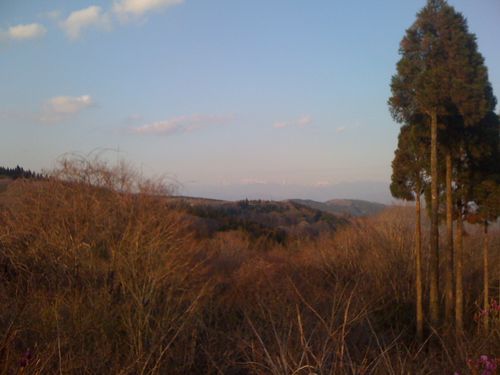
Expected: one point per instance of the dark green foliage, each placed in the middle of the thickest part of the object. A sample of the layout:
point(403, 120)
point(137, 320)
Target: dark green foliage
point(278, 222)
point(485, 176)
point(442, 72)
point(410, 161)
point(476, 163)
point(18, 172)
point(440, 69)
point(441, 75)
point(344, 207)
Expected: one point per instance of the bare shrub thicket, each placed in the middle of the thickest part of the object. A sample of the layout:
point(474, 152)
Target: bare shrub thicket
point(100, 275)
point(96, 273)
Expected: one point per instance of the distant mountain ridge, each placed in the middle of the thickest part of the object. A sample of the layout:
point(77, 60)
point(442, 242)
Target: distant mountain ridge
point(338, 207)
point(259, 220)
point(373, 191)
point(344, 207)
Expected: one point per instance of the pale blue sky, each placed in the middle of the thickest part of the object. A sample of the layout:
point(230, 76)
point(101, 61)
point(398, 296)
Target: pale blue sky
point(271, 98)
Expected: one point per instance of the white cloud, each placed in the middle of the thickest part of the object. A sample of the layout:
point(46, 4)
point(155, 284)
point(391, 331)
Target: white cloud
point(69, 104)
point(304, 120)
point(341, 129)
point(181, 124)
point(133, 120)
point(137, 8)
point(53, 111)
point(24, 32)
point(95, 17)
point(280, 125)
point(301, 122)
point(77, 21)
point(61, 107)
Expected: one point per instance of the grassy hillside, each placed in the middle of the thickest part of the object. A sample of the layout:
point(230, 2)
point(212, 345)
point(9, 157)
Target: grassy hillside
point(4, 182)
point(110, 277)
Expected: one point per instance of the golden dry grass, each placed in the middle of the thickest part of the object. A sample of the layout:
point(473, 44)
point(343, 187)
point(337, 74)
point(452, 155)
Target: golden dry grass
point(99, 276)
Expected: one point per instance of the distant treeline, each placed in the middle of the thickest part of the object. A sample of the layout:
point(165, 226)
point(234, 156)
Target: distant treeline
point(19, 172)
point(276, 222)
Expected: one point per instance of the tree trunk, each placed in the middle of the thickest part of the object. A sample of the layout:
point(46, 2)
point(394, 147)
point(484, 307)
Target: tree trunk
point(434, 235)
point(486, 284)
point(448, 271)
point(418, 270)
point(459, 291)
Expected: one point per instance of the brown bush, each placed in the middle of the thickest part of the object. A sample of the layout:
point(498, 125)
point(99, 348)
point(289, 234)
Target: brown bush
point(97, 272)
point(99, 275)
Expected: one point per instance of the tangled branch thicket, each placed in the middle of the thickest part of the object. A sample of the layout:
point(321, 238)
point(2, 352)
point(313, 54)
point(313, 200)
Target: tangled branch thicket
point(99, 274)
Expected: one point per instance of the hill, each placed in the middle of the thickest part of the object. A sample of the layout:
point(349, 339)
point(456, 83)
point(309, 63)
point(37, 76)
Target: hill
point(344, 207)
point(275, 221)
point(134, 280)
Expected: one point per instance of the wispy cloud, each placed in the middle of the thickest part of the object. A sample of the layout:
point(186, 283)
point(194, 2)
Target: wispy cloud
point(60, 108)
point(341, 129)
point(280, 125)
point(182, 124)
point(137, 8)
point(24, 32)
point(304, 120)
point(301, 122)
point(82, 19)
point(134, 119)
point(54, 110)
point(91, 17)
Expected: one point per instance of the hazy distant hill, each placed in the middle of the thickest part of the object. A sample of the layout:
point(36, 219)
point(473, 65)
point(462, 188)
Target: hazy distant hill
point(374, 191)
point(274, 220)
point(350, 207)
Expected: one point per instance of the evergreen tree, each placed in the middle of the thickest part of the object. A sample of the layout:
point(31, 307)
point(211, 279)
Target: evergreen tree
point(440, 74)
point(476, 175)
point(407, 183)
point(486, 189)
point(19, 172)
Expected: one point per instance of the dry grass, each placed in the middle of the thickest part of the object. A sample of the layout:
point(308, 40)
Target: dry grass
point(99, 276)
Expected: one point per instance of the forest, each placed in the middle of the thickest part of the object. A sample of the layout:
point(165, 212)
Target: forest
point(18, 172)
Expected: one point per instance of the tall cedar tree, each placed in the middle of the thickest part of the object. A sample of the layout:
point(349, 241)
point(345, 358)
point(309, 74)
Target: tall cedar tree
point(476, 175)
point(452, 136)
point(486, 188)
point(407, 183)
point(440, 70)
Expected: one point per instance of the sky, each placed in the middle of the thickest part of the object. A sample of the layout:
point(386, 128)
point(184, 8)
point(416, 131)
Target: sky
point(228, 99)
